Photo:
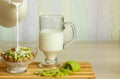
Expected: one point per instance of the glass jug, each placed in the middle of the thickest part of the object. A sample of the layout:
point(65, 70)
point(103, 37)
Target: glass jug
point(8, 12)
point(51, 39)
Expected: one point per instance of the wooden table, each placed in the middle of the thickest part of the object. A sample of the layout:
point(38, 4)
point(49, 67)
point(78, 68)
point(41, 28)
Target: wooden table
point(86, 72)
point(104, 56)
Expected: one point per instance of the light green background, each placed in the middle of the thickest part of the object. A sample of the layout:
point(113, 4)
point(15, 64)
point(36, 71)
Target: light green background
point(95, 20)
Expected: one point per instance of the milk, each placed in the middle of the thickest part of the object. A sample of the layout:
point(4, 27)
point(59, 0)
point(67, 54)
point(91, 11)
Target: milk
point(51, 42)
point(17, 5)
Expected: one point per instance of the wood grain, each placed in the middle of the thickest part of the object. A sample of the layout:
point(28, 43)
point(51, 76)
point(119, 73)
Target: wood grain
point(86, 72)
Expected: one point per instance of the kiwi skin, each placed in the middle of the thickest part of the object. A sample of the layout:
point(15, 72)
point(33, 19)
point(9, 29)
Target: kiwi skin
point(72, 65)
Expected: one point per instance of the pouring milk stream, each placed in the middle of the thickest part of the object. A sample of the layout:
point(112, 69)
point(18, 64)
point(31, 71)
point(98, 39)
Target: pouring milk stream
point(17, 4)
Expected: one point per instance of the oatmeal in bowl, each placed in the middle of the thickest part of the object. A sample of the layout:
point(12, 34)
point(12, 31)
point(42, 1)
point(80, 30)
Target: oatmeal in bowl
point(17, 58)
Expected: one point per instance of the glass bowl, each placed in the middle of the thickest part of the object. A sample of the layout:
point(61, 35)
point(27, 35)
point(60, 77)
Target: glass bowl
point(15, 66)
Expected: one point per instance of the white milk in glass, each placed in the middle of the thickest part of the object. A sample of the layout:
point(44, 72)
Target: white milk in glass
point(51, 42)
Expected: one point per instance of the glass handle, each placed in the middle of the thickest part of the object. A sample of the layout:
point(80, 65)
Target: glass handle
point(69, 24)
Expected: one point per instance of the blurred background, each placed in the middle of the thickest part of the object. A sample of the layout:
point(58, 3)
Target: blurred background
point(95, 20)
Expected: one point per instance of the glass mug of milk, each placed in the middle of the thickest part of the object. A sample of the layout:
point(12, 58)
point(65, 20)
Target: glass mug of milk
point(51, 38)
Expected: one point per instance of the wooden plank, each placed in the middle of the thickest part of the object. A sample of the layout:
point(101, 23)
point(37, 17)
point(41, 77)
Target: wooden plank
point(86, 72)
